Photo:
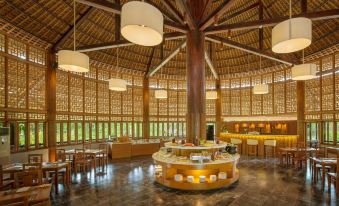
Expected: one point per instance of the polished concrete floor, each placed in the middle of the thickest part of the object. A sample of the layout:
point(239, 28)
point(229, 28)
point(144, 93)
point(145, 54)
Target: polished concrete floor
point(131, 182)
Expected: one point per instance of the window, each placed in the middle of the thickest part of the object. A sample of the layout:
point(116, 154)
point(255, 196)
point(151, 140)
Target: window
point(106, 132)
point(100, 132)
point(32, 135)
point(175, 132)
point(87, 131)
point(155, 129)
point(64, 133)
point(41, 134)
point(113, 129)
point(337, 133)
point(160, 129)
point(328, 131)
point(118, 129)
point(124, 129)
point(72, 127)
point(58, 133)
point(312, 129)
point(22, 135)
point(151, 129)
point(80, 138)
point(136, 130)
point(180, 129)
point(94, 132)
point(140, 129)
point(170, 133)
point(165, 129)
point(130, 129)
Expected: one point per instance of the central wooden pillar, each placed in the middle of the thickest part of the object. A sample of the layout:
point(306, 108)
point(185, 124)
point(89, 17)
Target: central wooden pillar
point(145, 98)
point(301, 110)
point(195, 72)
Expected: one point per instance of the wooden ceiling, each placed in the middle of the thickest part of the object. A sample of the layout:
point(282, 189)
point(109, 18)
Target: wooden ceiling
point(236, 24)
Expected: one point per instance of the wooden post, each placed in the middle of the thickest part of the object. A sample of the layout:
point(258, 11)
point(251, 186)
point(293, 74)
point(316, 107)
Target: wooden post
point(145, 98)
point(51, 105)
point(218, 119)
point(301, 110)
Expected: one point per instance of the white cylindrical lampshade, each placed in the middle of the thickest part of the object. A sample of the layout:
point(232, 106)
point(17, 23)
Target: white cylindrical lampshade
point(141, 23)
point(117, 84)
point(260, 89)
point(292, 35)
point(304, 72)
point(211, 95)
point(160, 94)
point(73, 61)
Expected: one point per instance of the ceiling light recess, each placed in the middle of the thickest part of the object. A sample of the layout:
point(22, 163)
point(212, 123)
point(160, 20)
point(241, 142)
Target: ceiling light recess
point(142, 23)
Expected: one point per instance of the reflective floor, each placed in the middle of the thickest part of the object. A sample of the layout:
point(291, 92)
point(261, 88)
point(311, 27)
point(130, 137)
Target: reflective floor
point(131, 182)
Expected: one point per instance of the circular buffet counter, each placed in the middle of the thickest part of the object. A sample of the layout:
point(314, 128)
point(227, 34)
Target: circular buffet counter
point(192, 164)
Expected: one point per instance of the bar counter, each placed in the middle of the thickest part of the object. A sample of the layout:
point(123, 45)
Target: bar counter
point(120, 150)
point(282, 140)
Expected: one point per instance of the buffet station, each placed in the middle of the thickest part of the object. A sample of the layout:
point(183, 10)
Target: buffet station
point(188, 167)
point(281, 140)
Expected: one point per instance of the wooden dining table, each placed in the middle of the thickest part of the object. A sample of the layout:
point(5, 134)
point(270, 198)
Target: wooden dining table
point(293, 150)
point(332, 162)
point(55, 167)
point(90, 152)
point(35, 194)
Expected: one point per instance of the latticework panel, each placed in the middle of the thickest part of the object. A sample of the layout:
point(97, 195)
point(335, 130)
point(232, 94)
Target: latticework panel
point(137, 101)
point(61, 91)
point(17, 48)
point(90, 96)
point(182, 103)
point(337, 90)
point(256, 80)
point(127, 101)
point(137, 81)
point(153, 103)
point(17, 84)
point(172, 102)
point(291, 97)
point(327, 63)
point(267, 101)
point(210, 106)
point(225, 83)
point(116, 100)
point(163, 106)
point(103, 74)
point(312, 95)
point(279, 97)
point(245, 100)
point(225, 103)
point(279, 76)
point(2, 80)
point(92, 73)
point(37, 87)
point(235, 101)
point(256, 104)
point(103, 98)
point(235, 83)
point(76, 94)
point(210, 84)
point(37, 55)
point(2, 42)
point(327, 92)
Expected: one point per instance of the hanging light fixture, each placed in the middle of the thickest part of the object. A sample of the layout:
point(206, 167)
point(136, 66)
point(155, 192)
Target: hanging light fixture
point(73, 61)
point(292, 35)
point(211, 95)
point(260, 88)
point(304, 71)
point(117, 84)
point(141, 23)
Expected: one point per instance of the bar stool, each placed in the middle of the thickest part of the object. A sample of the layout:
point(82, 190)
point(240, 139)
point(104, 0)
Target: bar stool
point(252, 147)
point(238, 143)
point(269, 146)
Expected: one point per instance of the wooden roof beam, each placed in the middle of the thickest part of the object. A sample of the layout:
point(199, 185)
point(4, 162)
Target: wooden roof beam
point(176, 14)
point(215, 15)
point(211, 66)
point(236, 45)
point(123, 43)
point(116, 9)
point(187, 14)
point(235, 14)
point(314, 16)
point(70, 31)
point(152, 71)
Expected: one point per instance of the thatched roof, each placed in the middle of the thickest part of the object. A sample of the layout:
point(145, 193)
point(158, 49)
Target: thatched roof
point(50, 20)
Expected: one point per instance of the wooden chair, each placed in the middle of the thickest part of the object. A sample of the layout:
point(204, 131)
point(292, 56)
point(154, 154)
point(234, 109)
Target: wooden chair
point(334, 177)
point(269, 147)
point(28, 178)
point(33, 158)
point(81, 161)
point(252, 147)
point(300, 156)
point(61, 155)
point(5, 184)
point(15, 201)
point(103, 156)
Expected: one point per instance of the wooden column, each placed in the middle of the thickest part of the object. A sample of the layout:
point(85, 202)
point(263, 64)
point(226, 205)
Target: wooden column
point(145, 116)
point(195, 71)
point(51, 105)
point(218, 119)
point(301, 110)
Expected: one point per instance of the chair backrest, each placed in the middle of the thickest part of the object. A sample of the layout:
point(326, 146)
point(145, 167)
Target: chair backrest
point(103, 148)
point(320, 152)
point(33, 158)
point(252, 142)
point(28, 178)
point(80, 156)
point(61, 155)
point(32, 166)
point(15, 201)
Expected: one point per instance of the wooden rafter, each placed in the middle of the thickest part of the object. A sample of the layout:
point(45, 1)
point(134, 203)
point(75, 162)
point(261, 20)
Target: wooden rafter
point(261, 30)
point(225, 19)
point(123, 43)
point(149, 63)
point(69, 32)
point(248, 49)
point(187, 14)
point(215, 15)
point(315, 16)
point(176, 14)
point(175, 51)
point(116, 9)
point(211, 66)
